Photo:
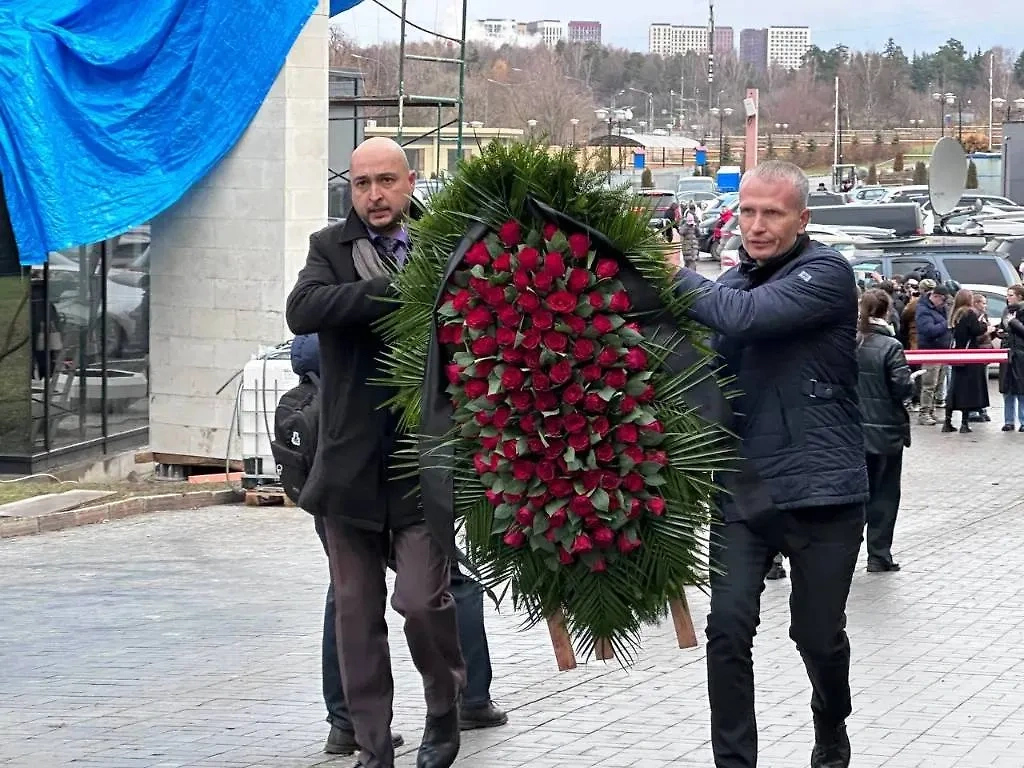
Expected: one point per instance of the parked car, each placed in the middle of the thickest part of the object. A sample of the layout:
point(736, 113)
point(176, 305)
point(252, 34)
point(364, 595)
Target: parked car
point(866, 195)
point(688, 184)
point(701, 199)
point(965, 267)
point(903, 218)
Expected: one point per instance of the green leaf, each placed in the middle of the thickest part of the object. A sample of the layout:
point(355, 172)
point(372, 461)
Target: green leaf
point(583, 309)
point(608, 393)
point(570, 454)
point(478, 270)
point(553, 506)
point(655, 480)
point(617, 321)
point(540, 524)
point(504, 512)
point(498, 526)
point(515, 486)
point(558, 243)
point(493, 385)
point(631, 337)
point(446, 310)
point(463, 359)
point(599, 498)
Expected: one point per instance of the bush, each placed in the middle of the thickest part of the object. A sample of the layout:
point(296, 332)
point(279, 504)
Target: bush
point(895, 138)
point(769, 149)
point(920, 173)
point(972, 175)
point(812, 146)
point(897, 163)
point(647, 179)
point(794, 149)
point(872, 175)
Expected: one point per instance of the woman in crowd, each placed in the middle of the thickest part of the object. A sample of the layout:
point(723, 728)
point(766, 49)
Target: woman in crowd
point(968, 387)
point(1011, 373)
point(883, 387)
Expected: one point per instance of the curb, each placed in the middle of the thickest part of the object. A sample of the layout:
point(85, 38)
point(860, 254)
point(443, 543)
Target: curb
point(115, 510)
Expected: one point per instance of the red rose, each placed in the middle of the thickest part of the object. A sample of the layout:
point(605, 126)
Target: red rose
point(485, 346)
point(512, 355)
point(582, 544)
point(602, 324)
point(551, 534)
point(476, 388)
point(627, 545)
point(636, 359)
point(528, 424)
point(543, 320)
point(509, 449)
point(523, 470)
point(453, 372)
point(634, 453)
point(619, 302)
point(656, 505)
point(514, 538)
point(599, 566)
point(604, 537)
point(553, 426)
point(627, 433)
point(450, 333)
point(555, 341)
point(543, 281)
point(490, 443)
point(509, 317)
point(616, 379)
point(601, 426)
point(524, 516)
point(528, 302)
point(606, 268)
point(608, 356)
point(561, 301)
point(610, 480)
point(564, 557)
point(591, 372)
point(531, 358)
point(521, 279)
point(635, 327)
point(478, 255)
point(636, 508)
point(510, 233)
point(493, 496)
point(484, 367)
point(593, 403)
point(540, 499)
point(549, 230)
point(503, 262)
point(572, 394)
point(591, 480)
point(583, 349)
point(657, 457)
point(481, 464)
point(529, 258)
point(558, 518)
point(493, 295)
point(596, 300)
point(560, 372)
point(554, 450)
point(461, 301)
point(576, 323)
point(546, 471)
point(521, 401)
point(512, 498)
point(479, 284)
point(479, 318)
point(535, 444)
point(531, 339)
point(546, 401)
point(506, 337)
point(647, 395)
point(575, 422)
point(604, 452)
point(654, 426)
point(501, 416)
point(633, 482)
point(579, 441)
point(578, 280)
point(560, 488)
point(627, 405)
point(554, 265)
point(579, 245)
point(483, 418)
point(541, 381)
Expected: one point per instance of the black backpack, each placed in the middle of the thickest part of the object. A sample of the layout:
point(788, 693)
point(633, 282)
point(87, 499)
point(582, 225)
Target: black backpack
point(296, 428)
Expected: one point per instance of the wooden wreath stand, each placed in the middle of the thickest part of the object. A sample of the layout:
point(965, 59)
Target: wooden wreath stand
point(565, 656)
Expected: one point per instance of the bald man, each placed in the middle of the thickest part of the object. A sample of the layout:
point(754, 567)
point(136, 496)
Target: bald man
point(366, 512)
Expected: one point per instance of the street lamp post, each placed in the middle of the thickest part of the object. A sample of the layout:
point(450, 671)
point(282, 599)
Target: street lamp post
point(612, 115)
point(650, 103)
point(574, 122)
point(531, 124)
point(721, 113)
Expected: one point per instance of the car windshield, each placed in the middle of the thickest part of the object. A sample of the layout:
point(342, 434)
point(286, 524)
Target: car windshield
point(659, 202)
point(983, 271)
point(693, 185)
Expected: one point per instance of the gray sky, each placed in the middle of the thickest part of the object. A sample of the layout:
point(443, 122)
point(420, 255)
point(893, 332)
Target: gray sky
point(861, 24)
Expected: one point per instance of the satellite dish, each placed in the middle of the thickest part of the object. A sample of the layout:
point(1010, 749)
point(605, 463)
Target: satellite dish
point(947, 175)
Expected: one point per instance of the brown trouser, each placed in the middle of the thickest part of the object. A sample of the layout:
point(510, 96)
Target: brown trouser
point(358, 561)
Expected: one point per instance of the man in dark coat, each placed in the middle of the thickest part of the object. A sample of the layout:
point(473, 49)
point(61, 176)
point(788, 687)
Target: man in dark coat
point(476, 709)
point(786, 321)
point(931, 320)
point(368, 513)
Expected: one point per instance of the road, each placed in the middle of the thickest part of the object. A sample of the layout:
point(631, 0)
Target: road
point(192, 639)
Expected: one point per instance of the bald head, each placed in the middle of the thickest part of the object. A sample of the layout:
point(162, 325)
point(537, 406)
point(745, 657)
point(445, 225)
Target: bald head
point(381, 184)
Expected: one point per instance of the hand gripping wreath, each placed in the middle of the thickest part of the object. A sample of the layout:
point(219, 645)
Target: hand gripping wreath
point(560, 402)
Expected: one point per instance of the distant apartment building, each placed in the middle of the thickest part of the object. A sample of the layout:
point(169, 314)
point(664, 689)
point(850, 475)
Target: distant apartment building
point(787, 46)
point(670, 39)
point(548, 31)
point(584, 31)
point(754, 48)
point(496, 32)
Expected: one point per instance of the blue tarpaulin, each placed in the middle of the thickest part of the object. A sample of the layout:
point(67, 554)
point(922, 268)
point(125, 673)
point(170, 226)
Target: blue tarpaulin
point(110, 110)
point(340, 6)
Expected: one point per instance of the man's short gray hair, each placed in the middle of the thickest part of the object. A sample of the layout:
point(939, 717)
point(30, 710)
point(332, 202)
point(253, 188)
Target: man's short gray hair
point(782, 170)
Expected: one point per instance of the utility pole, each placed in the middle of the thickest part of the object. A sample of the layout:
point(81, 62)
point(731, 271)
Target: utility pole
point(711, 53)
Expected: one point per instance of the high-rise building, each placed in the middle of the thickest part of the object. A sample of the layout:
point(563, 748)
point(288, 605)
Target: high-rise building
point(787, 46)
point(497, 32)
point(670, 39)
point(754, 48)
point(585, 32)
point(547, 31)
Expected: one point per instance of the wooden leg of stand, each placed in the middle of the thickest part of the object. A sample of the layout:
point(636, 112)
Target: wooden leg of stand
point(603, 650)
point(561, 642)
point(683, 622)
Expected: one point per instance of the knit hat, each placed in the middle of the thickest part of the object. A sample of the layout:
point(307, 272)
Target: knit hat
point(927, 285)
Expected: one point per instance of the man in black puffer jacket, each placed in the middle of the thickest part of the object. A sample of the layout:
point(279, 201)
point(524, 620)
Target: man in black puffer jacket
point(786, 320)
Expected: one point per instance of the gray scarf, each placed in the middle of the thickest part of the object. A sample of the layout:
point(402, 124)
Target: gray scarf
point(367, 261)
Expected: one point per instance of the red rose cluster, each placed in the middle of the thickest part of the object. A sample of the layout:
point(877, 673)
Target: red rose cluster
point(552, 387)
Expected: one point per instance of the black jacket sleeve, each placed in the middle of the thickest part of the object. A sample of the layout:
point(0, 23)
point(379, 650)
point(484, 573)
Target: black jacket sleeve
point(319, 301)
point(819, 292)
point(898, 373)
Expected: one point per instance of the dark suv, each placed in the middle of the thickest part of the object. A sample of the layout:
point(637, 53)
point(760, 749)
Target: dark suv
point(977, 268)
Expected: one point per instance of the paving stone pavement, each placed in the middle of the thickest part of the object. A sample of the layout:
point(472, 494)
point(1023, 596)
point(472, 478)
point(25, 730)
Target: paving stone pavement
point(192, 639)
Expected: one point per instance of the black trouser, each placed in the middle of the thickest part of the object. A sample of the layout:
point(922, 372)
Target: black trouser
point(884, 478)
point(822, 545)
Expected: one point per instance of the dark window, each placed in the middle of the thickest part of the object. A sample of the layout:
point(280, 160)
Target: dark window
point(979, 271)
point(906, 266)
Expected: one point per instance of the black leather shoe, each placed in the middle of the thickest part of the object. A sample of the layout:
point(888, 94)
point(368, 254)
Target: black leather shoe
point(440, 745)
point(776, 572)
point(877, 566)
point(486, 716)
point(342, 741)
point(831, 747)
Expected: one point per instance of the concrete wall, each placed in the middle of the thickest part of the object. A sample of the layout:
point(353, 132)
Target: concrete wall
point(1013, 161)
point(224, 258)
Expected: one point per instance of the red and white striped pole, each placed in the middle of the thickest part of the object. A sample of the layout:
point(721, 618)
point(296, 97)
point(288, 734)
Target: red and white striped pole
point(956, 356)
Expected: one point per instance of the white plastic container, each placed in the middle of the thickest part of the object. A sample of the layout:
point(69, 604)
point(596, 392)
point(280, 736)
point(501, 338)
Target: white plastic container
point(264, 381)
